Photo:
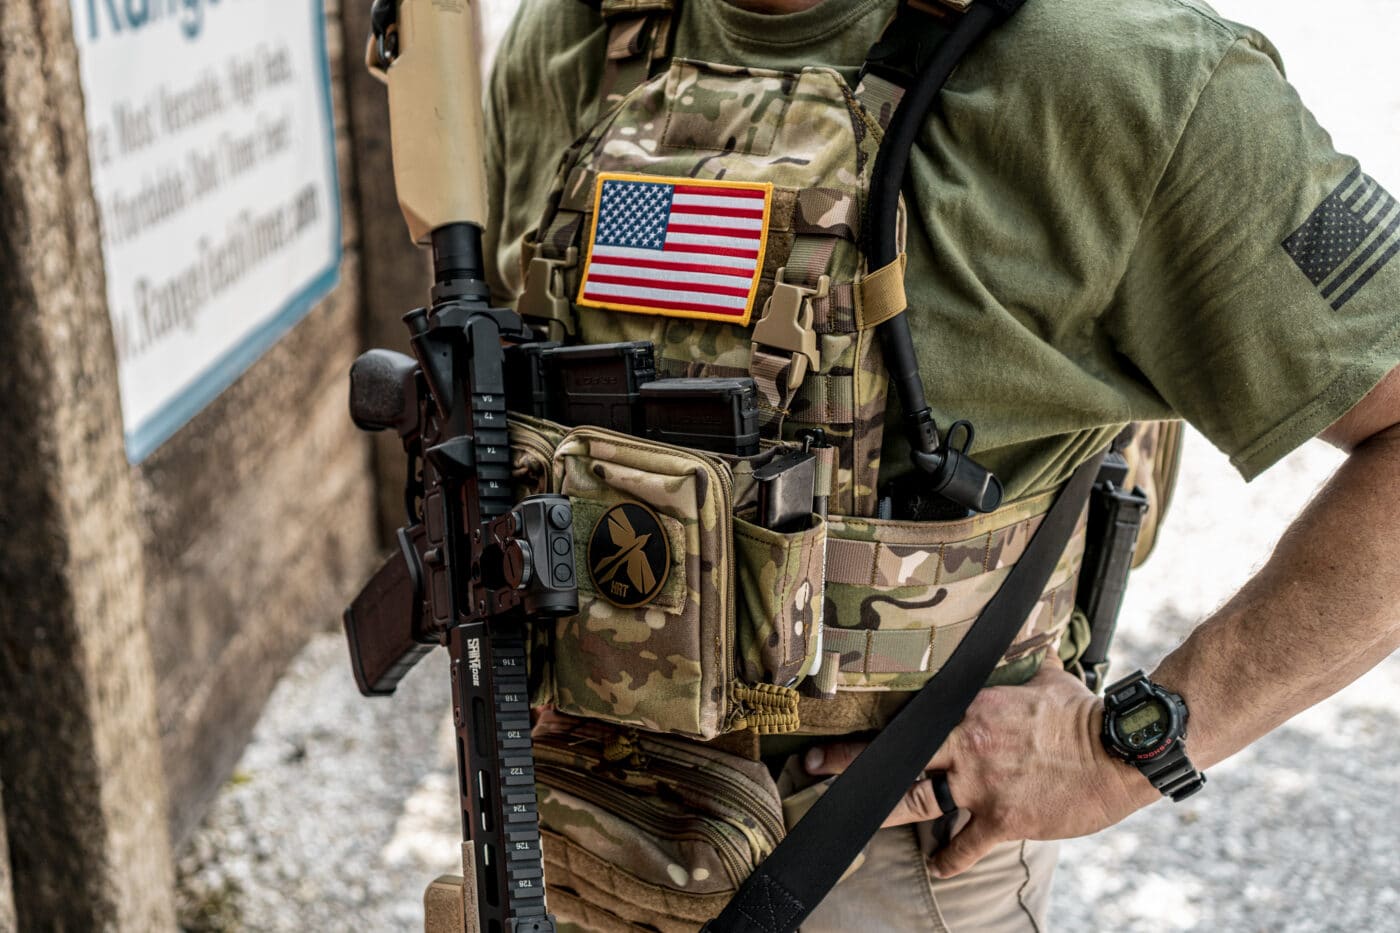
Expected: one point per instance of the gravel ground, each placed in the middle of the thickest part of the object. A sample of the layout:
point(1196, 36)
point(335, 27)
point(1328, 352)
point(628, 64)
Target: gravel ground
point(343, 808)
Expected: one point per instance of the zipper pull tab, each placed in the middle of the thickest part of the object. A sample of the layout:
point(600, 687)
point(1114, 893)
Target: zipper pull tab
point(623, 747)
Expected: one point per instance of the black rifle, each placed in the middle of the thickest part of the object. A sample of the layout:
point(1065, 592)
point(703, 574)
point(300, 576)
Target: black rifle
point(473, 569)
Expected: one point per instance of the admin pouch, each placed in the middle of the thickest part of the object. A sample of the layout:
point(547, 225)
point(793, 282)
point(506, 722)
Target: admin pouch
point(693, 620)
point(698, 629)
point(666, 589)
point(647, 832)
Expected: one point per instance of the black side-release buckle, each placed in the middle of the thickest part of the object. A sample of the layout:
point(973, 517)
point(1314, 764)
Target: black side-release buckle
point(1115, 519)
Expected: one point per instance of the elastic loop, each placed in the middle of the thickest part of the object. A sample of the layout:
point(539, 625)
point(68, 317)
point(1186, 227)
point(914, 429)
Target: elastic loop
point(880, 295)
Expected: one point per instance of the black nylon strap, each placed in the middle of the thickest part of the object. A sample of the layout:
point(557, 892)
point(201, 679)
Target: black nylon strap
point(792, 881)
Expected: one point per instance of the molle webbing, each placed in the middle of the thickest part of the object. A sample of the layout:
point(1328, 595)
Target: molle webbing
point(639, 39)
point(912, 35)
point(870, 653)
point(814, 211)
point(900, 596)
point(880, 97)
point(819, 218)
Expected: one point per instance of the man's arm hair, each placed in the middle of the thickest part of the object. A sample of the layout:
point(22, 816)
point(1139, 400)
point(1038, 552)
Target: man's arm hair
point(1321, 612)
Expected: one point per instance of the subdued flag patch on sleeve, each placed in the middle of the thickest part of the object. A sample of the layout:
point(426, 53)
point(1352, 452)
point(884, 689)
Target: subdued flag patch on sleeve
point(1351, 236)
point(679, 247)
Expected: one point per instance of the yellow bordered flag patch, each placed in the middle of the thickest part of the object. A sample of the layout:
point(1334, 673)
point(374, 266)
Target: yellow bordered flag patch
point(678, 247)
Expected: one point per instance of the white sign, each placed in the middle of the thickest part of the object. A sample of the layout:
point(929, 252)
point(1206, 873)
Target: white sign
point(213, 162)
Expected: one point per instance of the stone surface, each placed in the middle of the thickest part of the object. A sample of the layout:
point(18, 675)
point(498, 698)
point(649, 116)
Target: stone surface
point(8, 923)
point(341, 810)
point(85, 800)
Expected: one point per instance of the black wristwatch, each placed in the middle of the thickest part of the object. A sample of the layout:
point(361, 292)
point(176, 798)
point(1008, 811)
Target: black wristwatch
point(1145, 725)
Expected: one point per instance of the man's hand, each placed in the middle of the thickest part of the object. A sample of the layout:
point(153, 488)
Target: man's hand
point(1026, 763)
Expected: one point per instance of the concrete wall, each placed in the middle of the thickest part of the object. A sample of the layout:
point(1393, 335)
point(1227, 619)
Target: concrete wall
point(145, 612)
point(7, 893)
point(394, 274)
point(84, 797)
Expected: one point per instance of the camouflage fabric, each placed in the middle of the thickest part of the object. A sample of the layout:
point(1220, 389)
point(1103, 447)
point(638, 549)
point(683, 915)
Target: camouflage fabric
point(807, 135)
point(887, 601)
point(645, 829)
point(900, 596)
point(666, 665)
point(619, 7)
point(1153, 452)
point(780, 595)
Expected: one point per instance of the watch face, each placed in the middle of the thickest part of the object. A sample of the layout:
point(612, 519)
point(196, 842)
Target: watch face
point(1143, 727)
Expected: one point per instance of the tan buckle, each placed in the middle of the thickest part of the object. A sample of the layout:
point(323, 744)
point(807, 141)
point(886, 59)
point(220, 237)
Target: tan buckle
point(544, 299)
point(786, 325)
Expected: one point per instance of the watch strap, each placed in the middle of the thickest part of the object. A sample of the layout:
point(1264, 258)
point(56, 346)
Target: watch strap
point(1173, 773)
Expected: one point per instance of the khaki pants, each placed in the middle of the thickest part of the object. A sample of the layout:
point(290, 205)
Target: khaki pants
point(892, 891)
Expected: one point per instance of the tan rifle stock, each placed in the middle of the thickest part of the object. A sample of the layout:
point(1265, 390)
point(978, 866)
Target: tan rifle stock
point(435, 118)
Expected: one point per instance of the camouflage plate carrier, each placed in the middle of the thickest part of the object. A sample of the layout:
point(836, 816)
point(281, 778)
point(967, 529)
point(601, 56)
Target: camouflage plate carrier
point(744, 631)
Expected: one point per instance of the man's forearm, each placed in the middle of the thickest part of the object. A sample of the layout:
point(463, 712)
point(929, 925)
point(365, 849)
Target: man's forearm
point(1323, 611)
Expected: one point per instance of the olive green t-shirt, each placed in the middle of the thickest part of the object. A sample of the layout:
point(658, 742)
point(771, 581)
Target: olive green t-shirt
point(1119, 211)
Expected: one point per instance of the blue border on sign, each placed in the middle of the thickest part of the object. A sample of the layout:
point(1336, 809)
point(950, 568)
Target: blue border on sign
point(162, 424)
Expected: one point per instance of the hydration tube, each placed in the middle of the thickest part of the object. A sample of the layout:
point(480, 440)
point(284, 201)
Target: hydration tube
point(940, 466)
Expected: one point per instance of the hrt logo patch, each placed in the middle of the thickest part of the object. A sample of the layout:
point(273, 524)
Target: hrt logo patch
point(629, 556)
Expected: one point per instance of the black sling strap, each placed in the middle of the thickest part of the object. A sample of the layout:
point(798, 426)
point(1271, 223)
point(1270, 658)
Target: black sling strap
point(792, 881)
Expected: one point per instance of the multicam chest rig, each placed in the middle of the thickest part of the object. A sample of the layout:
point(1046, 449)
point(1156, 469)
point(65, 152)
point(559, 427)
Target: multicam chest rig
point(799, 287)
point(744, 225)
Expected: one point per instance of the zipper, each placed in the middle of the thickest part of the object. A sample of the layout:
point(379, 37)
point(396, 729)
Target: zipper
point(636, 809)
point(548, 431)
point(528, 437)
point(720, 470)
point(737, 795)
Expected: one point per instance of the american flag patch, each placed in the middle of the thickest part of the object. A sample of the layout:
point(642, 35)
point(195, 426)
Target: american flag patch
point(1351, 236)
point(679, 247)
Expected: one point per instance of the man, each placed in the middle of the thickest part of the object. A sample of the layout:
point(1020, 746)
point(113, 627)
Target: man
point(1122, 212)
